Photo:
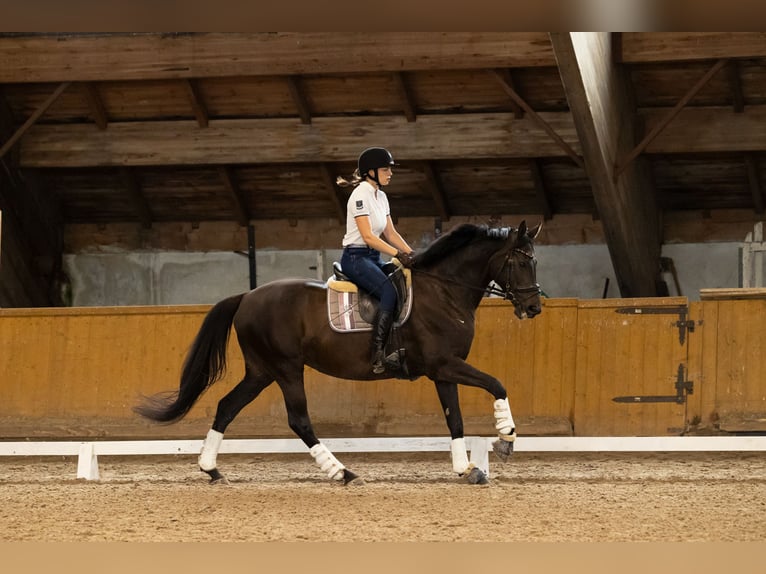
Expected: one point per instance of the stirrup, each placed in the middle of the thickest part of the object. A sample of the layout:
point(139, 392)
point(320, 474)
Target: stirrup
point(378, 363)
point(394, 360)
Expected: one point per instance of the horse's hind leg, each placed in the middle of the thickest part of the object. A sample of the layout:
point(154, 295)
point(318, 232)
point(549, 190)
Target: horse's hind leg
point(228, 408)
point(449, 399)
point(298, 418)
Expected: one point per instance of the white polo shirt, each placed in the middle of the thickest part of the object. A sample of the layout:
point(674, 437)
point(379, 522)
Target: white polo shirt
point(365, 201)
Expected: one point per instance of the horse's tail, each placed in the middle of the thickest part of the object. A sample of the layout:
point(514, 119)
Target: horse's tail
point(204, 365)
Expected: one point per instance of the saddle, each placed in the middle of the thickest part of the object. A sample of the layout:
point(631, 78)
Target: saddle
point(352, 309)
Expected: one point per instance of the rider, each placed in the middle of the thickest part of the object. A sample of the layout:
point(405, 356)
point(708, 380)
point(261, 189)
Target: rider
point(367, 218)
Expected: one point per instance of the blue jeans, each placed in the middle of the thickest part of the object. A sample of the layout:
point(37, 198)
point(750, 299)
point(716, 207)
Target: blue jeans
point(363, 266)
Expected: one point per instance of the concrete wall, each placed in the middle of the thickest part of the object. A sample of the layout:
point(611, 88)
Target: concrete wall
point(178, 278)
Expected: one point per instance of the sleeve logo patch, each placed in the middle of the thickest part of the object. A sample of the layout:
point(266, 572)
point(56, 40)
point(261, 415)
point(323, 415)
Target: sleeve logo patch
point(360, 204)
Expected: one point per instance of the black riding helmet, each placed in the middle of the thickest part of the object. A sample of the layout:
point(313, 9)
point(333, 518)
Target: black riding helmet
point(374, 158)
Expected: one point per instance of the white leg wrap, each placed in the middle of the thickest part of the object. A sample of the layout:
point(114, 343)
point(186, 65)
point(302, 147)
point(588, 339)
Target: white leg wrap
point(506, 428)
point(207, 458)
point(460, 462)
point(327, 461)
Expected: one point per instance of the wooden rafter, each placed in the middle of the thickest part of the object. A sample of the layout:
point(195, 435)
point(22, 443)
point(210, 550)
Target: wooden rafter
point(197, 102)
point(437, 189)
point(96, 105)
point(34, 117)
point(498, 75)
point(655, 131)
point(754, 181)
point(333, 192)
point(405, 96)
point(540, 190)
point(299, 98)
point(230, 183)
point(507, 75)
point(735, 81)
point(133, 187)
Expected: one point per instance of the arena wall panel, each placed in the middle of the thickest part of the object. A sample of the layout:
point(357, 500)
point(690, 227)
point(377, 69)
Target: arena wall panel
point(69, 373)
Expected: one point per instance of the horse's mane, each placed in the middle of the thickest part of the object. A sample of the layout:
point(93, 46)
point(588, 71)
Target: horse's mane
point(458, 237)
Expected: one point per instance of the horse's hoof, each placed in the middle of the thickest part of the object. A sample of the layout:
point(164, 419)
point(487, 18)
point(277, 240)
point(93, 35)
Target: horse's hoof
point(503, 449)
point(215, 476)
point(477, 476)
point(351, 479)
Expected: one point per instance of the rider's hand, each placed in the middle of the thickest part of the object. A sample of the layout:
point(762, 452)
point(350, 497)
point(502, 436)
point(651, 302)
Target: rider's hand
point(406, 259)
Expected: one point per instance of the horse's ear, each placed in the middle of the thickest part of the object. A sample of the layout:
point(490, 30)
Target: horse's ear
point(522, 231)
point(532, 233)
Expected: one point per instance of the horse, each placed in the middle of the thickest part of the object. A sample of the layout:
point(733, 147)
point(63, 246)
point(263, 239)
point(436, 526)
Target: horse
point(283, 326)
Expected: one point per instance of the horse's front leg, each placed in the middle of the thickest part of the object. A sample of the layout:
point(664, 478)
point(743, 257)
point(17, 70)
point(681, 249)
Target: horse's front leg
point(457, 371)
point(450, 401)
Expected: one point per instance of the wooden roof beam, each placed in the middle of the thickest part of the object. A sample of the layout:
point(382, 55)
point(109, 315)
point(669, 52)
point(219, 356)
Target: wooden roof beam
point(598, 92)
point(96, 105)
point(238, 200)
point(540, 191)
point(133, 187)
point(330, 139)
point(197, 102)
point(337, 200)
point(405, 95)
point(42, 108)
point(502, 80)
point(754, 181)
point(121, 57)
point(437, 189)
point(641, 47)
point(299, 98)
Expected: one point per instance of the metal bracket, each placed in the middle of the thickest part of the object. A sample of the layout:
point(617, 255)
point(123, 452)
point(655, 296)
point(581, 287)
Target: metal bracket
point(683, 324)
point(683, 389)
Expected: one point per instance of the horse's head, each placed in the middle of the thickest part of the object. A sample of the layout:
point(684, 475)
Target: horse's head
point(514, 271)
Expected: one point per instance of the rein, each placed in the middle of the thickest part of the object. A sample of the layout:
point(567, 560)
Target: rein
point(508, 293)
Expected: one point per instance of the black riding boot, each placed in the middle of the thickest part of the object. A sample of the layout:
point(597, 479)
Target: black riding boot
point(380, 332)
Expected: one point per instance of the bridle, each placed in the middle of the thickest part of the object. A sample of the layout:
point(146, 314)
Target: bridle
point(507, 291)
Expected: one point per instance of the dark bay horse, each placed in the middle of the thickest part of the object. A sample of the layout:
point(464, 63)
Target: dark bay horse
point(283, 326)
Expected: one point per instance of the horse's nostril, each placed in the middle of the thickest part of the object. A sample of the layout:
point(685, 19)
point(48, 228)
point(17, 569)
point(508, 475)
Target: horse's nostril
point(533, 310)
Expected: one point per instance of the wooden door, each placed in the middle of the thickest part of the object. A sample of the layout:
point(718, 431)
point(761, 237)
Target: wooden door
point(632, 365)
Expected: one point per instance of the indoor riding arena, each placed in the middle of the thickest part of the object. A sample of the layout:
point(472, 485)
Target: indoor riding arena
point(147, 177)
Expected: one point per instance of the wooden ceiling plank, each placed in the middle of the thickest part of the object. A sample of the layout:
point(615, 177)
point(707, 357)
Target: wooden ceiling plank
point(735, 80)
point(640, 47)
point(299, 98)
point(436, 186)
point(96, 105)
point(754, 181)
point(654, 132)
point(197, 102)
point(405, 95)
point(328, 139)
point(231, 185)
point(97, 57)
point(598, 93)
point(498, 75)
point(132, 186)
point(34, 117)
point(541, 192)
point(338, 202)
